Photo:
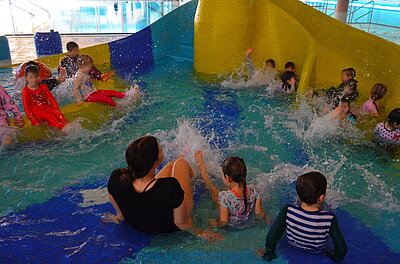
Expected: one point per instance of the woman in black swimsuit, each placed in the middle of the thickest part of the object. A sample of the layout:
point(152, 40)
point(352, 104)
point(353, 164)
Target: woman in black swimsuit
point(153, 203)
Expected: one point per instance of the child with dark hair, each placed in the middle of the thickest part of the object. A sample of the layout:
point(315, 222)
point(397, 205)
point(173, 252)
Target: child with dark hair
point(266, 75)
point(8, 104)
point(347, 89)
point(290, 67)
point(343, 111)
point(238, 206)
point(289, 80)
point(306, 226)
point(70, 63)
point(371, 106)
point(39, 104)
point(389, 131)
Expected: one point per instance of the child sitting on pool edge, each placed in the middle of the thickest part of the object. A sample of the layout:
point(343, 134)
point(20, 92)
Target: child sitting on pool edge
point(371, 106)
point(8, 104)
point(388, 132)
point(84, 90)
point(238, 206)
point(306, 226)
point(39, 104)
point(70, 63)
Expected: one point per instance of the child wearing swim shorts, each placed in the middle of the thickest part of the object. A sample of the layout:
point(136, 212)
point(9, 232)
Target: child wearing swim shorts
point(240, 204)
point(388, 132)
point(8, 104)
point(70, 63)
point(306, 226)
point(39, 104)
point(371, 106)
point(85, 91)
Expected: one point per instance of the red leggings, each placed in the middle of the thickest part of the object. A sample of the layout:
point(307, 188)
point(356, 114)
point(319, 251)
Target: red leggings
point(49, 115)
point(104, 96)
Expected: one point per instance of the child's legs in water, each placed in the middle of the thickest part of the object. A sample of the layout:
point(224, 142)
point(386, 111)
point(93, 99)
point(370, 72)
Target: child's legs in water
point(100, 98)
point(57, 114)
point(111, 93)
point(181, 170)
point(42, 115)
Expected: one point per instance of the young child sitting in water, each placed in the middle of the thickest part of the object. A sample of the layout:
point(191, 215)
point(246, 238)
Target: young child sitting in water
point(347, 89)
point(389, 131)
point(371, 106)
point(70, 63)
point(39, 104)
point(8, 104)
point(307, 226)
point(265, 76)
point(239, 205)
point(289, 80)
point(85, 91)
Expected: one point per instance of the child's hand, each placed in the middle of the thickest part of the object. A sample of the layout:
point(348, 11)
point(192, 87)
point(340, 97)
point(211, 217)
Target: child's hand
point(63, 75)
point(111, 218)
point(20, 123)
point(198, 157)
point(210, 236)
point(248, 52)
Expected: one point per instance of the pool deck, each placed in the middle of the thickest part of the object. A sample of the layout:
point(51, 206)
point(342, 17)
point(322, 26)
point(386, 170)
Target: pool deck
point(22, 47)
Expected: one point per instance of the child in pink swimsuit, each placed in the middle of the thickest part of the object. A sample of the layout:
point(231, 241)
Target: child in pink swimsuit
point(377, 93)
point(8, 104)
point(388, 132)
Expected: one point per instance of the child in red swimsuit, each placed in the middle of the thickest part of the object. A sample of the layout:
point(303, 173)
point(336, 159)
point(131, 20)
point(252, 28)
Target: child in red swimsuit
point(39, 104)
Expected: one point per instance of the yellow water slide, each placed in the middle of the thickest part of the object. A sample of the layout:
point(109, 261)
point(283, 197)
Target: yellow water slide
point(289, 30)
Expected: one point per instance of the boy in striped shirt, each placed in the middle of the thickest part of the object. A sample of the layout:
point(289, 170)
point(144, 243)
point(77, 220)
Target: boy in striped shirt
point(306, 226)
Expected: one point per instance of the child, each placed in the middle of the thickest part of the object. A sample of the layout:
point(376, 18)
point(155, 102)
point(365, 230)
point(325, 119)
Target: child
point(84, 90)
point(269, 64)
point(288, 82)
point(289, 67)
point(371, 106)
point(70, 63)
point(347, 89)
point(8, 104)
point(389, 131)
point(39, 104)
point(306, 226)
point(343, 111)
point(241, 203)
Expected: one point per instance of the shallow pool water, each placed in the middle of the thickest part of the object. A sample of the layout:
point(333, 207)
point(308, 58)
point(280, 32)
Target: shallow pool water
point(53, 192)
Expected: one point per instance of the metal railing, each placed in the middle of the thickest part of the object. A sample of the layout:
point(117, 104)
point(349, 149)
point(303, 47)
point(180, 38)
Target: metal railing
point(354, 20)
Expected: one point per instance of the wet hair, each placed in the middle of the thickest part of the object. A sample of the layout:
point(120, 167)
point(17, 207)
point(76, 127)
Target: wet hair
point(32, 63)
point(286, 76)
point(84, 60)
point(32, 68)
point(140, 157)
point(270, 61)
point(72, 45)
point(289, 65)
point(310, 186)
point(350, 72)
point(378, 91)
point(235, 168)
point(394, 117)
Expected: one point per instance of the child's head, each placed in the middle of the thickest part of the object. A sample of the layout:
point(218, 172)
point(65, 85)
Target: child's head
point(311, 188)
point(85, 63)
point(394, 118)
point(234, 170)
point(378, 91)
point(348, 74)
point(289, 66)
point(270, 64)
point(73, 49)
point(288, 79)
point(32, 75)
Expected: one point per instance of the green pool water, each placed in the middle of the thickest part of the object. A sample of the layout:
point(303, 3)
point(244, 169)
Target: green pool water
point(280, 137)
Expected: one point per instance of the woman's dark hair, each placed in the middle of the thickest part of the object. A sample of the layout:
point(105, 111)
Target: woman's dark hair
point(394, 117)
point(285, 78)
point(270, 61)
point(289, 65)
point(310, 186)
point(235, 168)
point(378, 91)
point(140, 157)
point(32, 68)
point(72, 45)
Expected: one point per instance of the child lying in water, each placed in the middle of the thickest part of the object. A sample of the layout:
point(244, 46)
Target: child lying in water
point(239, 205)
point(85, 91)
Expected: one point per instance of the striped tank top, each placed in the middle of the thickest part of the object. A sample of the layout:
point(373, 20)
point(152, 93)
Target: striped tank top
point(308, 230)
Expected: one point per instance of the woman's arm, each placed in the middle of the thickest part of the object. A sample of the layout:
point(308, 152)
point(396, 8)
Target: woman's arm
point(77, 84)
point(120, 217)
point(198, 156)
